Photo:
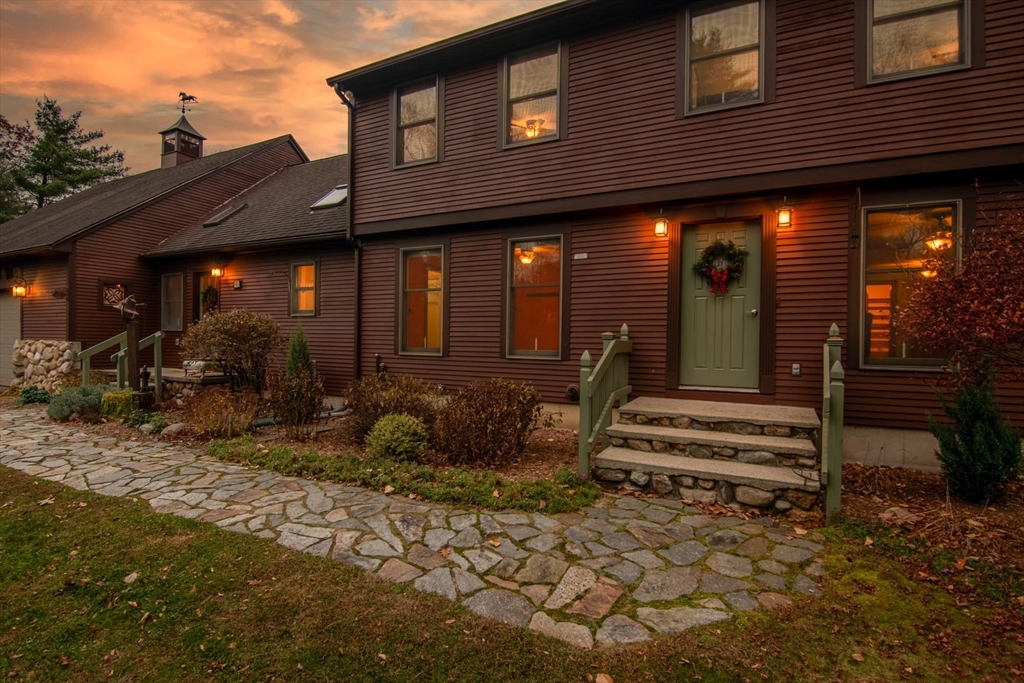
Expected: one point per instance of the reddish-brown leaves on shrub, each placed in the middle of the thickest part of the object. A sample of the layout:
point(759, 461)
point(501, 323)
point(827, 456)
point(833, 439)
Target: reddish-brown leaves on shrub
point(217, 412)
point(371, 398)
point(487, 422)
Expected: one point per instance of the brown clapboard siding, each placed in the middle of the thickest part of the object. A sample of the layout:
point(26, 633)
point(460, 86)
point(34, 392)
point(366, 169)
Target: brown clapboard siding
point(622, 131)
point(111, 253)
point(44, 316)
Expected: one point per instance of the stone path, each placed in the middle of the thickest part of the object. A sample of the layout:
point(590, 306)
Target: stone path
point(614, 573)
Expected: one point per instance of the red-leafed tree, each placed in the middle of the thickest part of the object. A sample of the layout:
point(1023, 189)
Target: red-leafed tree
point(974, 311)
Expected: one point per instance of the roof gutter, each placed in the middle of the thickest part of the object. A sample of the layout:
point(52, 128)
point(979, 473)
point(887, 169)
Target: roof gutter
point(348, 99)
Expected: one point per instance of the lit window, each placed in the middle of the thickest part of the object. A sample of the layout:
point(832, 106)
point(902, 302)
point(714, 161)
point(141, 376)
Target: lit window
point(332, 198)
point(535, 297)
point(303, 289)
point(417, 123)
point(171, 296)
point(724, 55)
point(531, 95)
point(898, 244)
point(910, 36)
point(422, 297)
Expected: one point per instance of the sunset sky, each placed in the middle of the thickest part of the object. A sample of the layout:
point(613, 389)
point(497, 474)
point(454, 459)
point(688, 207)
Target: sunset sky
point(258, 67)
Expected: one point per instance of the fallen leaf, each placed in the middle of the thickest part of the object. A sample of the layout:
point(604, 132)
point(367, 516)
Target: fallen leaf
point(542, 504)
point(383, 657)
point(446, 552)
point(495, 542)
point(299, 667)
point(603, 678)
point(232, 645)
point(389, 489)
point(133, 604)
point(800, 531)
point(144, 617)
point(46, 501)
point(494, 494)
point(131, 577)
point(858, 656)
point(868, 541)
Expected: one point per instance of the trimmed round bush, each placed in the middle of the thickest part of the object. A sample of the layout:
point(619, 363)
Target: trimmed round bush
point(33, 394)
point(399, 436)
point(118, 404)
point(85, 401)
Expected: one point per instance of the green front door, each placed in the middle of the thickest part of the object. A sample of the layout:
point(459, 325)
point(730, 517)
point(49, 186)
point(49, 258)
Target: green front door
point(720, 332)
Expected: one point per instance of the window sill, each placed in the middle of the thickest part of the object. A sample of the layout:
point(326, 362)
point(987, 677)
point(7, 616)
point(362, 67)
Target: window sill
point(428, 354)
point(536, 356)
point(721, 107)
point(920, 73)
point(903, 368)
point(530, 143)
point(414, 164)
point(311, 314)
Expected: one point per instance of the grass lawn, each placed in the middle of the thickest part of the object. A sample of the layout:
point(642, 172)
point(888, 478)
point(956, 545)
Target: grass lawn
point(206, 604)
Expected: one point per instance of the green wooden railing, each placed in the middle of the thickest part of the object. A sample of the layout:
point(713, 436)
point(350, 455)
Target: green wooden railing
point(832, 423)
point(600, 389)
point(121, 359)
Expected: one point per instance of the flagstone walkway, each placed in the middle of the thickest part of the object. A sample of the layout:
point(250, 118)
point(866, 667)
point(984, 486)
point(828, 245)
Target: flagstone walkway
point(614, 573)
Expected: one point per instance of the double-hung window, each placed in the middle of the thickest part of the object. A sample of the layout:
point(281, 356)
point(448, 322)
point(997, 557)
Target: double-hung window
point(535, 297)
point(303, 289)
point(724, 54)
point(908, 37)
point(422, 306)
point(901, 243)
point(531, 97)
point(171, 298)
point(416, 135)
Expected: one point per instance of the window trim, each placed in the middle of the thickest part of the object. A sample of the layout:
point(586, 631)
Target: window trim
point(443, 246)
point(561, 95)
point(163, 288)
point(508, 240)
point(963, 203)
point(293, 290)
point(396, 118)
point(766, 67)
point(973, 38)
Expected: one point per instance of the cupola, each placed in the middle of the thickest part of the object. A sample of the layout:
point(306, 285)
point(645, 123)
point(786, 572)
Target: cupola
point(180, 143)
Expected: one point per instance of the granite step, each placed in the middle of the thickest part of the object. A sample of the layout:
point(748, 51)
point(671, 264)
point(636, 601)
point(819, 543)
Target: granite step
point(664, 410)
point(754, 449)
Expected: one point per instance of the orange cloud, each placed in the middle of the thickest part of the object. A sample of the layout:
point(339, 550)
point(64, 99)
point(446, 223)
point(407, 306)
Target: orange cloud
point(258, 68)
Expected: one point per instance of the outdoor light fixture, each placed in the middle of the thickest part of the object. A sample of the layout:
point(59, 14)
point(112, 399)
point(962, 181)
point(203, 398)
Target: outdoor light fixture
point(216, 271)
point(785, 214)
point(943, 239)
point(661, 226)
point(526, 257)
point(20, 288)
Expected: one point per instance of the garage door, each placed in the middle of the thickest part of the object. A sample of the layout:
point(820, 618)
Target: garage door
point(10, 330)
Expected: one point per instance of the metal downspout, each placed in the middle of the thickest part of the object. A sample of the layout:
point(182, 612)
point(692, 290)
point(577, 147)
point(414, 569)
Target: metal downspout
point(348, 100)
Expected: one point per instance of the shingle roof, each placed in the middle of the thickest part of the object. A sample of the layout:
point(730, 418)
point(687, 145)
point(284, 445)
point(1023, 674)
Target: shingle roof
point(41, 229)
point(183, 125)
point(277, 210)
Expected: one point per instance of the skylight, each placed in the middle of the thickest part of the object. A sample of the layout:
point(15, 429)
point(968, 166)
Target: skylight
point(223, 215)
point(332, 198)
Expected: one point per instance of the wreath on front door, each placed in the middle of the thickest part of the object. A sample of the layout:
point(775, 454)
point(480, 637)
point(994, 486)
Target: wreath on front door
point(719, 263)
point(209, 300)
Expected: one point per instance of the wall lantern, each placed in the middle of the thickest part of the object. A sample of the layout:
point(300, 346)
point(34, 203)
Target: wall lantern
point(217, 271)
point(785, 213)
point(661, 226)
point(20, 288)
point(943, 239)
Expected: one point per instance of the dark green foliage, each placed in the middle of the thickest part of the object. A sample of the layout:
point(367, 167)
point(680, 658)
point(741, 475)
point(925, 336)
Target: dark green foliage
point(118, 405)
point(240, 341)
point(453, 486)
point(84, 400)
point(371, 398)
point(33, 395)
point(488, 422)
point(15, 140)
point(159, 422)
point(60, 159)
point(298, 354)
point(402, 437)
point(980, 452)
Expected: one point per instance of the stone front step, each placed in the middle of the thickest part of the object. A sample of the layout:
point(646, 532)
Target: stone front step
point(743, 418)
point(696, 443)
point(709, 481)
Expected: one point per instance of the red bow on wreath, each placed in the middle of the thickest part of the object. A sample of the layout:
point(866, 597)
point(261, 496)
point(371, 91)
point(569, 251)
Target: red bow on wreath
point(720, 281)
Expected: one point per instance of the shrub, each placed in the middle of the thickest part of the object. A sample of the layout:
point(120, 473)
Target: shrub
point(240, 341)
point(488, 422)
point(33, 395)
point(217, 412)
point(980, 452)
point(118, 405)
point(297, 396)
point(371, 398)
point(86, 401)
point(398, 436)
point(298, 354)
point(158, 421)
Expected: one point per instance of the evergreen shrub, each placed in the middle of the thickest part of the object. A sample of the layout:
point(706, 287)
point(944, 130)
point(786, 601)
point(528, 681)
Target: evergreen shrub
point(402, 437)
point(33, 394)
point(370, 398)
point(297, 396)
point(86, 401)
point(118, 405)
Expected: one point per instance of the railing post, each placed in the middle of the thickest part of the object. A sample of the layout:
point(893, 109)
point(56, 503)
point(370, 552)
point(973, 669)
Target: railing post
point(835, 346)
point(583, 468)
point(158, 365)
point(833, 490)
point(86, 369)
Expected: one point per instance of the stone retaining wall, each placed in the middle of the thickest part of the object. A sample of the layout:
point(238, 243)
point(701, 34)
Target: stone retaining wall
point(179, 392)
point(708, 491)
point(43, 363)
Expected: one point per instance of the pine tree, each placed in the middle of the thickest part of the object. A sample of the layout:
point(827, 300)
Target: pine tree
point(61, 161)
point(15, 141)
point(299, 359)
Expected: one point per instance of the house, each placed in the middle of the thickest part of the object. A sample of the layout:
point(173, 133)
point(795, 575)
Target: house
point(279, 247)
point(519, 189)
point(74, 259)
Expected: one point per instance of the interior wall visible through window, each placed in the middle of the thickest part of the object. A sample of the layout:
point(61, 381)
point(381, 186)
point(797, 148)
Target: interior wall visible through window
point(535, 297)
point(304, 289)
point(422, 300)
